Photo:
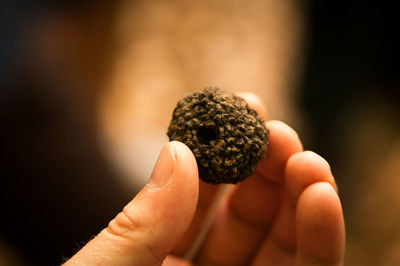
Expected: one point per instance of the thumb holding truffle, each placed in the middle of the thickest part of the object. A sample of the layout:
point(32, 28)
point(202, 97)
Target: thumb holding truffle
point(154, 221)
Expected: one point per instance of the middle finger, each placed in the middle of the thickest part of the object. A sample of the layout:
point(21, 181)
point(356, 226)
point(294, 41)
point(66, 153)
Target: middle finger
point(245, 216)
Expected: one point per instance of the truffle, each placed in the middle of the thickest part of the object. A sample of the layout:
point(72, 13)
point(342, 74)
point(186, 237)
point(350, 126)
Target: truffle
point(226, 137)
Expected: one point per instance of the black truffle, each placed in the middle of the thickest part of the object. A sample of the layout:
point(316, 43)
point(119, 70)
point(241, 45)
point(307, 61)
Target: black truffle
point(226, 136)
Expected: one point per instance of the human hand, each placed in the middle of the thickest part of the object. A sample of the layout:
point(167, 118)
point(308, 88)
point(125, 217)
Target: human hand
point(287, 213)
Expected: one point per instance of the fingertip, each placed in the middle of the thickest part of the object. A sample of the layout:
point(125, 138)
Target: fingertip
point(186, 167)
point(305, 168)
point(320, 225)
point(320, 195)
point(254, 103)
point(185, 160)
point(285, 136)
point(180, 148)
point(318, 157)
point(283, 142)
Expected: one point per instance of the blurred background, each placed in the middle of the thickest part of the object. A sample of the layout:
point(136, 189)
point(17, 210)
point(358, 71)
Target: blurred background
point(88, 88)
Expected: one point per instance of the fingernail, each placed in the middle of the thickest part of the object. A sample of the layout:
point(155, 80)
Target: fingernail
point(164, 167)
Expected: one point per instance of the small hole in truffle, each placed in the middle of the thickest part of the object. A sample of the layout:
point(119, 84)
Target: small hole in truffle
point(205, 134)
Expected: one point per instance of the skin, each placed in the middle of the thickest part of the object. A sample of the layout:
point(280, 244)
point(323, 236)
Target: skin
point(287, 213)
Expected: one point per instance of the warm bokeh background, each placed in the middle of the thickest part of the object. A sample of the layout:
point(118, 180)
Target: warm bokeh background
point(87, 90)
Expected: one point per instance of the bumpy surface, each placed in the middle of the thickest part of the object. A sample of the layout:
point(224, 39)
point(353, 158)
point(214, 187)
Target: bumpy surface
point(225, 135)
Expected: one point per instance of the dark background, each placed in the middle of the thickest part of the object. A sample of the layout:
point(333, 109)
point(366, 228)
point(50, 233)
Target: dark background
point(351, 79)
point(57, 189)
point(352, 74)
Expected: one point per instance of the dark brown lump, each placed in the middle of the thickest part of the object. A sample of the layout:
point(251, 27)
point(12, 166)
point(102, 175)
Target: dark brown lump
point(226, 137)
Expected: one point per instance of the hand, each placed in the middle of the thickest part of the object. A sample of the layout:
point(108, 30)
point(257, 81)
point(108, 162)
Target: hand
point(287, 213)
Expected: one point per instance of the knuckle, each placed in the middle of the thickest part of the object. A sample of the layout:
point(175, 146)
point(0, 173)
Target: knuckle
point(123, 224)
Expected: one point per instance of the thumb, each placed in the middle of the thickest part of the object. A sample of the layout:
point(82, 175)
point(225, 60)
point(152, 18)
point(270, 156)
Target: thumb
point(154, 221)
